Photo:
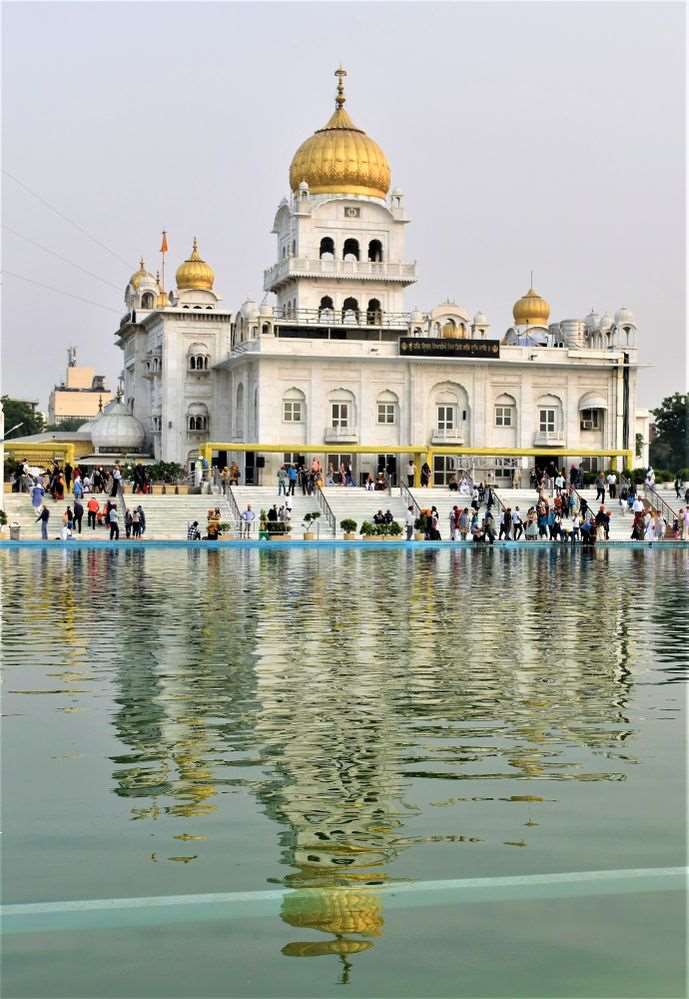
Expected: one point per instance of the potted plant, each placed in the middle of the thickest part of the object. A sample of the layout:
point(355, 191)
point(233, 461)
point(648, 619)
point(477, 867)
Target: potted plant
point(394, 529)
point(418, 530)
point(309, 535)
point(278, 531)
point(349, 527)
point(368, 531)
point(315, 516)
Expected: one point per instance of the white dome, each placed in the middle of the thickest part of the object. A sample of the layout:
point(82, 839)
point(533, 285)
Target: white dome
point(592, 320)
point(481, 319)
point(249, 309)
point(624, 317)
point(605, 321)
point(116, 429)
point(85, 428)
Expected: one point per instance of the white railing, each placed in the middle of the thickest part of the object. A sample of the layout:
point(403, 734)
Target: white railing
point(363, 269)
point(545, 437)
point(340, 435)
point(454, 436)
point(341, 317)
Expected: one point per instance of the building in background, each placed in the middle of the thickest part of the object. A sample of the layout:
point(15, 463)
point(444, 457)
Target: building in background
point(332, 354)
point(81, 396)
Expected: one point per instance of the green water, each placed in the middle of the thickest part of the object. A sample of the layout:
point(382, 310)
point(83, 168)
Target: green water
point(319, 728)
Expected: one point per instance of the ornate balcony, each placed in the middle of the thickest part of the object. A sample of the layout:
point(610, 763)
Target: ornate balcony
point(454, 436)
point(549, 438)
point(340, 435)
point(349, 318)
point(345, 270)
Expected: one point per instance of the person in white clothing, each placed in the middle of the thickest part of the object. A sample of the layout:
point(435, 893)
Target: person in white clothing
point(409, 522)
point(248, 517)
point(637, 505)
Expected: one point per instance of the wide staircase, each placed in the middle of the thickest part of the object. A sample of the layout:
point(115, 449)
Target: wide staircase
point(443, 500)
point(166, 516)
point(263, 497)
point(355, 503)
point(620, 517)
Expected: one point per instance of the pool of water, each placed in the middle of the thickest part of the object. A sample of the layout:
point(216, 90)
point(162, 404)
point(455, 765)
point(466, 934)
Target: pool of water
point(382, 761)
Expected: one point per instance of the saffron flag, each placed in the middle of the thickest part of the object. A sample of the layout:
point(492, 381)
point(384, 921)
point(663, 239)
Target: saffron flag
point(163, 245)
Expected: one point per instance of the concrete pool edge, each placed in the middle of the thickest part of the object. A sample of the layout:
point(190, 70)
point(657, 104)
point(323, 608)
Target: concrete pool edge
point(107, 913)
point(337, 543)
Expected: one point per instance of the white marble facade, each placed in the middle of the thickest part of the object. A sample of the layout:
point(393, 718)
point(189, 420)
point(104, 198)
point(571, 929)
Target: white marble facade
point(319, 359)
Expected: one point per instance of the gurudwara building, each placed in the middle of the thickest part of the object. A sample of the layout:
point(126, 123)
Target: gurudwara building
point(331, 357)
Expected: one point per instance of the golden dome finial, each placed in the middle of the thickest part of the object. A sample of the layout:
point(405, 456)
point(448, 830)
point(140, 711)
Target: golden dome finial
point(141, 265)
point(531, 309)
point(195, 272)
point(340, 99)
point(340, 158)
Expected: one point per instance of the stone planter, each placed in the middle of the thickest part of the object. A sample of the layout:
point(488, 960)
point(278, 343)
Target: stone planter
point(350, 537)
point(309, 536)
point(157, 489)
point(419, 537)
point(182, 490)
point(280, 537)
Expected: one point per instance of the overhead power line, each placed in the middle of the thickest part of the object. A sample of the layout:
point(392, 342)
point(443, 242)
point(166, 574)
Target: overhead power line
point(59, 256)
point(66, 218)
point(59, 291)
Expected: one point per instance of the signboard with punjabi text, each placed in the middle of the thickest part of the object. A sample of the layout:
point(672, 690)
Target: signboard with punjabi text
point(422, 346)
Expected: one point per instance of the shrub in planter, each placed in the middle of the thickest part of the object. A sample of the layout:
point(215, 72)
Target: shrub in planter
point(368, 530)
point(348, 526)
point(394, 529)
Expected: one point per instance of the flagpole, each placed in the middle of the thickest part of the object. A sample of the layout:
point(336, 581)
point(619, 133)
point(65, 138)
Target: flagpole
point(163, 248)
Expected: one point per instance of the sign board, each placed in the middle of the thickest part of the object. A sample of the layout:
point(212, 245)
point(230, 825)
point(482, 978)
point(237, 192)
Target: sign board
point(423, 346)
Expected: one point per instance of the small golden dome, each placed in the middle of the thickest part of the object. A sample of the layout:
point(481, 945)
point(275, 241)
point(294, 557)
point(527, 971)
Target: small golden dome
point(340, 158)
point(194, 272)
point(141, 275)
point(531, 310)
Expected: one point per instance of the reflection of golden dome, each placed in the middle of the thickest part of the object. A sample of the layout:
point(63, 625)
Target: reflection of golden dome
point(318, 948)
point(141, 275)
point(531, 310)
point(194, 272)
point(340, 158)
point(334, 910)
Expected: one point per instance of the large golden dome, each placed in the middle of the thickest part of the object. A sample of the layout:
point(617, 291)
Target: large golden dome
point(340, 158)
point(531, 310)
point(194, 272)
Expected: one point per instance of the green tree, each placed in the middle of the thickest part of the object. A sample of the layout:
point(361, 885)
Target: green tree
point(670, 448)
point(67, 426)
point(17, 411)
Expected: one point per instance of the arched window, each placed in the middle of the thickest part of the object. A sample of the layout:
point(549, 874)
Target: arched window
point(342, 409)
point(197, 357)
point(197, 417)
point(327, 249)
point(550, 423)
point(374, 313)
point(387, 405)
point(350, 311)
point(147, 300)
point(294, 406)
point(375, 251)
point(350, 250)
point(505, 411)
point(239, 410)
point(325, 309)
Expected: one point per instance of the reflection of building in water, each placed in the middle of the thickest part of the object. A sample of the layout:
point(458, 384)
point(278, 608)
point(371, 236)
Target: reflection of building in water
point(327, 683)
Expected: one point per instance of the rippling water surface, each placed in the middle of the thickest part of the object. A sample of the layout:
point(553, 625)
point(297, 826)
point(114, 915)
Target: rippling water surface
point(196, 721)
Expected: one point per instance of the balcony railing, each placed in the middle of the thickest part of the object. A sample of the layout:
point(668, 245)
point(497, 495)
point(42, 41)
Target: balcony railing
point(351, 318)
point(366, 270)
point(453, 436)
point(340, 435)
point(545, 438)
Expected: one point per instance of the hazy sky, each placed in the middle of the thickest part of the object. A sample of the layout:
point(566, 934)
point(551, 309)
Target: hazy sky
point(524, 135)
